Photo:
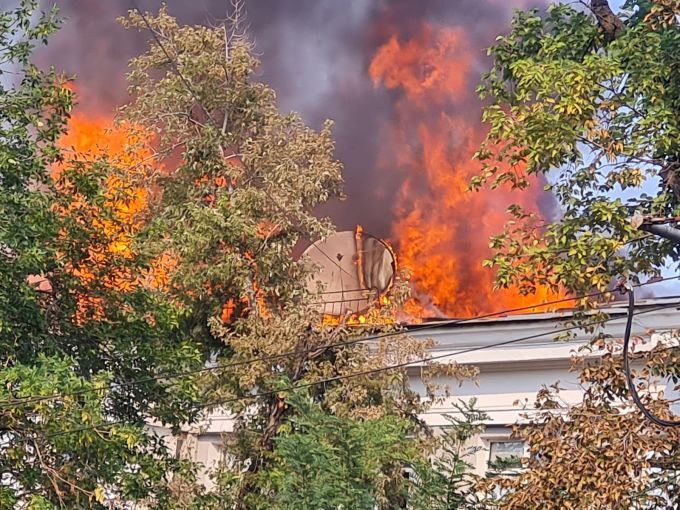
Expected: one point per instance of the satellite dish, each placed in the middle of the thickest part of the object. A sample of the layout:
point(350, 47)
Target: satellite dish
point(354, 269)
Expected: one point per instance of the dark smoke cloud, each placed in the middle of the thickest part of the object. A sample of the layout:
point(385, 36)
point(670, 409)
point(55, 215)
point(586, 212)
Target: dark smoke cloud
point(315, 53)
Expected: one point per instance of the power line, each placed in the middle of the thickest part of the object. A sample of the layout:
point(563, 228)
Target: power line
point(352, 375)
point(8, 404)
point(629, 376)
point(448, 411)
point(381, 369)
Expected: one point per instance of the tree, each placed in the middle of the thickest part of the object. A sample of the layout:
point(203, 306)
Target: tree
point(447, 482)
point(239, 195)
point(602, 116)
point(72, 335)
point(595, 454)
point(326, 461)
point(331, 462)
point(588, 101)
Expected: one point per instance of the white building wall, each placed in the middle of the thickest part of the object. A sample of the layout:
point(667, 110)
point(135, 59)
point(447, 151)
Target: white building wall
point(510, 375)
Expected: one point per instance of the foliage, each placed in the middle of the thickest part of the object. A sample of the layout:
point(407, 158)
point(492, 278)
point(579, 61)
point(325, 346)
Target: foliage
point(601, 121)
point(448, 483)
point(593, 113)
point(231, 212)
point(595, 454)
point(324, 461)
point(72, 434)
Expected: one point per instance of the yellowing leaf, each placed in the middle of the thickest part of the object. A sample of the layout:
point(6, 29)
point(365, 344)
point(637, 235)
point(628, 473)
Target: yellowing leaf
point(99, 495)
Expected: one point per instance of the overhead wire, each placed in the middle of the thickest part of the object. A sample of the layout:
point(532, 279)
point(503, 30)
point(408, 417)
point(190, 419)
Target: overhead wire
point(363, 373)
point(450, 411)
point(8, 404)
point(632, 388)
point(344, 343)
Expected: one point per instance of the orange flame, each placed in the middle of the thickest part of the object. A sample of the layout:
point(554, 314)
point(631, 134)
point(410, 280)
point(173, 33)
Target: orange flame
point(355, 320)
point(88, 139)
point(442, 230)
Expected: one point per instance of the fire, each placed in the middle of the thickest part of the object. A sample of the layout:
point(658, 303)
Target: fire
point(382, 312)
point(356, 320)
point(89, 138)
point(441, 230)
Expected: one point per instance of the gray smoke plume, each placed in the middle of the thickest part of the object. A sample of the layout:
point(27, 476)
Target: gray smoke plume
point(316, 54)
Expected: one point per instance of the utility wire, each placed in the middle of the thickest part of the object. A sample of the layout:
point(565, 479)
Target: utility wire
point(352, 375)
point(629, 375)
point(8, 404)
point(275, 357)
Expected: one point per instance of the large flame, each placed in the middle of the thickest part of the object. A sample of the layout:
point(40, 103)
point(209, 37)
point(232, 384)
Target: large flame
point(442, 230)
point(90, 138)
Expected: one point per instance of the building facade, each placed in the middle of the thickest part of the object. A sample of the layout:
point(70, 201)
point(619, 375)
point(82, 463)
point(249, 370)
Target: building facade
point(516, 355)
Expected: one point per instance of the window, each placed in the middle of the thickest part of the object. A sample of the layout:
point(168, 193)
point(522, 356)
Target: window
point(505, 454)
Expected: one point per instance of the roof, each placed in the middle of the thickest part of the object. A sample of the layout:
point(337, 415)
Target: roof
point(614, 308)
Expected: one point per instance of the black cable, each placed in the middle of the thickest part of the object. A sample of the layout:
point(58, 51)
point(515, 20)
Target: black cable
point(629, 376)
point(352, 375)
point(8, 404)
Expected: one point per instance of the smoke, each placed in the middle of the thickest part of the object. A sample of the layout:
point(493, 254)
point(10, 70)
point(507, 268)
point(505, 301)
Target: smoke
point(317, 55)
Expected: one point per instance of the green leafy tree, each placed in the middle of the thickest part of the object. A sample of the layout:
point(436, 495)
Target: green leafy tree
point(240, 195)
point(600, 119)
point(588, 101)
point(447, 481)
point(72, 428)
point(325, 461)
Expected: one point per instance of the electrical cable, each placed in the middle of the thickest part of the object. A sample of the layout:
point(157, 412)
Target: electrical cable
point(352, 375)
point(345, 343)
point(627, 370)
point(8, 404)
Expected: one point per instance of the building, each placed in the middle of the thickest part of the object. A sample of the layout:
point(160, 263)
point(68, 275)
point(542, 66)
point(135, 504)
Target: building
point(510, 374)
